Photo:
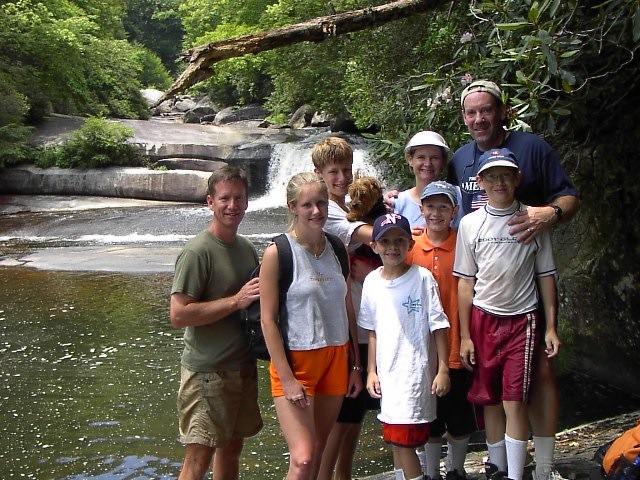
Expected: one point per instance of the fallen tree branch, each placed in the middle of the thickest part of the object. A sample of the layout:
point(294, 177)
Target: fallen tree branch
point(318, 29)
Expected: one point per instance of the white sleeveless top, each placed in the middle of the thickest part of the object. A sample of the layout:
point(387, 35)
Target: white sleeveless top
point(316, 308)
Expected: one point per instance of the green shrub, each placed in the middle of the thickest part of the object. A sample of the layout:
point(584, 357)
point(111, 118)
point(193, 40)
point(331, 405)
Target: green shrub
point(13, 144)
point(46, 157)
point(99, 143)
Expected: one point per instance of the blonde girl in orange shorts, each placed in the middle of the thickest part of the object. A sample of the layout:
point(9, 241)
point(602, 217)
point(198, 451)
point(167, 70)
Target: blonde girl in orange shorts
point(313, 363)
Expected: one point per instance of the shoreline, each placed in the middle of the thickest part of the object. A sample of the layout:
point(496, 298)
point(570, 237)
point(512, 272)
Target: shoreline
point(575, 448)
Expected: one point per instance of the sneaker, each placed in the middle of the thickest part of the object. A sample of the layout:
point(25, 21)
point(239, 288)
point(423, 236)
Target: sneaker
point(551, 474)
point(492, 473)
point(455, 475)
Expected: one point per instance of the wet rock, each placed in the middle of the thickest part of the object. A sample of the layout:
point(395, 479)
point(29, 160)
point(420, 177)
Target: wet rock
point(189, 164)
point(238, 114)
point(142, 183)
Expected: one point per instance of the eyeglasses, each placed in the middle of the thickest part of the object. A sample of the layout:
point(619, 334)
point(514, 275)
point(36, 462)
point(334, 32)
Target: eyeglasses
point(502, 177)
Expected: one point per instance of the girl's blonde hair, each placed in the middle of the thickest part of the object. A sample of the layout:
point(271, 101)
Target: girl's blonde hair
point(295, 185)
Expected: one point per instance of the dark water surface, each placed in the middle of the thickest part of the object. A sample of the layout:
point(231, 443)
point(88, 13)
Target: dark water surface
point(89, 360)
point(90, 371)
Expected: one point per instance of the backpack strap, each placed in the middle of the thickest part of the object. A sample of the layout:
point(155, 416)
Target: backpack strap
point(341, 253)
point(285, 263)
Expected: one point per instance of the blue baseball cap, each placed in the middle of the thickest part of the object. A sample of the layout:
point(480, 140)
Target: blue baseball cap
point(388, 221)
point(497, 157)
point(440, 188)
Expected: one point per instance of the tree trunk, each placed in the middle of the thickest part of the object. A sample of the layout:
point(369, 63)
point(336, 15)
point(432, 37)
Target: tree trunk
point(316, 30)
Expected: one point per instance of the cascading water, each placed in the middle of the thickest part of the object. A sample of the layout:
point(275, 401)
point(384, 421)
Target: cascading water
point(290, 158)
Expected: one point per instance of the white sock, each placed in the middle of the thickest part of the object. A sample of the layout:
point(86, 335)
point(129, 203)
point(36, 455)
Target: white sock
point(433, 451)
point(458, 450)
point(544, 448)
point(516, 457)
point(498, 455)
point(399, 474)
point(422, 456)
point(419, 477)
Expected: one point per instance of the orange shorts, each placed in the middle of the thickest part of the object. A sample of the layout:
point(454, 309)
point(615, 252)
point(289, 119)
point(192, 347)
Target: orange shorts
point(322, 371)
point(405, 435)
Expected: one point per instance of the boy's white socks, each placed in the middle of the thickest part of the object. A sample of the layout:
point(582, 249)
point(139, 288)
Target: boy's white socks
point(516, 457)
point(544, 448)
point(433, 452)
point(422, 456)
point(498, 455)
point(399, 474)
point(457, 449)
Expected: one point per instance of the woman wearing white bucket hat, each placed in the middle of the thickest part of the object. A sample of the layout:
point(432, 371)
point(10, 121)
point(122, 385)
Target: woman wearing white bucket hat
point(426, 153)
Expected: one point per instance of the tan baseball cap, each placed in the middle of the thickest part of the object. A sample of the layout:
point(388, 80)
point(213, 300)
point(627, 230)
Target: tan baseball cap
point(482, 86)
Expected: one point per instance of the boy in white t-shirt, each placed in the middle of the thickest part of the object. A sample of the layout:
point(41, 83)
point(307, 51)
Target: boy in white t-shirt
point(501, 284)
point(408, 367)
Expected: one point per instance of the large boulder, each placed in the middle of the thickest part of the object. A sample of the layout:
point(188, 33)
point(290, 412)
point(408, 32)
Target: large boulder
point(141, 183)
point(240, 114)
point(301, 118)
point(151, 95)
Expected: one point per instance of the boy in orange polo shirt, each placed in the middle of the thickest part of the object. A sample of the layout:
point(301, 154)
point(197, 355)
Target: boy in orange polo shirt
point(435, 249)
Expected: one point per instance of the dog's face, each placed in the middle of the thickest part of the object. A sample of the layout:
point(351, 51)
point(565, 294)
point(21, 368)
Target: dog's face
point(366, 199)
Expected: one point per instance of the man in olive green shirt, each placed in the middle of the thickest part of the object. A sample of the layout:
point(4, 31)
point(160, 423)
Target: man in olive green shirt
point(218, 397)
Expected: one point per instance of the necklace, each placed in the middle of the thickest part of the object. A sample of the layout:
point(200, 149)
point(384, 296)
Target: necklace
point(315, 250)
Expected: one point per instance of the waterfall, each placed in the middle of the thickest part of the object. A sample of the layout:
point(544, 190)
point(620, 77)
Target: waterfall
point(290, 158)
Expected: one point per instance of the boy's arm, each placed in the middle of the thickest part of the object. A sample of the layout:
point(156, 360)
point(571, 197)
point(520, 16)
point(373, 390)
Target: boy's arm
point(373, 384)
point(549, 299)
point(442, 383)
point(465, 299)
point(362, 234)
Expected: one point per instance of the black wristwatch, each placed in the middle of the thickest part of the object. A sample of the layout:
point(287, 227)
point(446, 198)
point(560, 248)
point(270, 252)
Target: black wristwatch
point(558, 211)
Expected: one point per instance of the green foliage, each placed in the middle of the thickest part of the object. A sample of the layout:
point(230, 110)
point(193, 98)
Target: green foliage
point(99, 143)
point(13, 144)
point(62, 57)
point(153, 74)
point(156, 25)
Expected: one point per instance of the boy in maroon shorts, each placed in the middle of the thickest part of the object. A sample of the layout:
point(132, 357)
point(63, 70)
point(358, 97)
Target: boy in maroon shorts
point(500, 280)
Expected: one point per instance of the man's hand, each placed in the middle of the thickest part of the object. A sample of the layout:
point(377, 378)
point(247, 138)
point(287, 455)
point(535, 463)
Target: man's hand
point(528, 224)
point(389, 199)
point(467, 353)
point(248, 294)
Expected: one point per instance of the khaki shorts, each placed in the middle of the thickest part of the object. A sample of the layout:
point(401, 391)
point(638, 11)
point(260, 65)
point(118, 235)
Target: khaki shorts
point(214, 407)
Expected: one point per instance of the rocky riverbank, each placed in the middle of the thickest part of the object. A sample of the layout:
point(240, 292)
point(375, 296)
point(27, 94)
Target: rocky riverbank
point(188, 153)
point(575, 448)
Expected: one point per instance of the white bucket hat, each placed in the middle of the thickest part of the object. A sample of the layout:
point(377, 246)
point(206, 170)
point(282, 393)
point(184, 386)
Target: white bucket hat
point(426, 137)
